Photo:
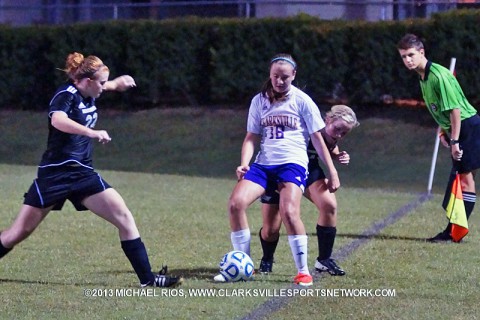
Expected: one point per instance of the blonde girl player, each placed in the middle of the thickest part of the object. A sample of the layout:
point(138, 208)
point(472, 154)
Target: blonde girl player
point(340, 120)
point(66, 172)
point(281, 118)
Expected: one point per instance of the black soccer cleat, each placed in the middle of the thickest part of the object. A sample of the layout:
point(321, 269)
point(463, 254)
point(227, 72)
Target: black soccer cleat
point(164, 281)
point(443, 236)
point(330, 266)
point(265, 266)
point(164, 270)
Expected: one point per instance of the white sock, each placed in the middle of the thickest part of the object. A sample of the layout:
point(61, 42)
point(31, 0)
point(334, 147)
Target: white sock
point(241, 240)
point(299, 247)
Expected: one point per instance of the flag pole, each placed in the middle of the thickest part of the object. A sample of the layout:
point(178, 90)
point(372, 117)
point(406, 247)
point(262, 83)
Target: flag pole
point(437, 140)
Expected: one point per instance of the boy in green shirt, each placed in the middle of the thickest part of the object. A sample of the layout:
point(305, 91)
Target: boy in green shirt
point(458, 119)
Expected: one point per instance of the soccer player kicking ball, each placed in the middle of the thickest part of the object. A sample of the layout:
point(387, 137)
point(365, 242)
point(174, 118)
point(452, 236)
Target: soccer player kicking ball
point(66, 172)
point(282, 119)
point(340, 120)
point(457, 118)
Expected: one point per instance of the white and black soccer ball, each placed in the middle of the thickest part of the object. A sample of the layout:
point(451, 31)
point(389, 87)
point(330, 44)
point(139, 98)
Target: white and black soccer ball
point(236, 266)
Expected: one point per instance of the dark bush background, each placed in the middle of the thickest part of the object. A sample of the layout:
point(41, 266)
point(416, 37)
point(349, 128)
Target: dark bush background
point(223, 62)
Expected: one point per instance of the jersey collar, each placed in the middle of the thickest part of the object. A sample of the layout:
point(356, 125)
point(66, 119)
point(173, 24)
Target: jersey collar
point(427, 70)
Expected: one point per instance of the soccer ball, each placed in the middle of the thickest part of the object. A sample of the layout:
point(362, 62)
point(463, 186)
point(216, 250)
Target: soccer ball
point(236, 266)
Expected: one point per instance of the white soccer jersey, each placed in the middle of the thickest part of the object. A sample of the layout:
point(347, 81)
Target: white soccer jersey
point(285, 127)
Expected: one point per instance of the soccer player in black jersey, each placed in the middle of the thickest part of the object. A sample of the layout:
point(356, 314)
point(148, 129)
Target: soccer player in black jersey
point(66, 172)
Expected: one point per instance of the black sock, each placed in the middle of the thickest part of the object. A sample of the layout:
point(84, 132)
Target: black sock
point(469, 199)
point(448, 229)
point(326, 239)
point(268, 247)
point(3, 250)
point(137, 255)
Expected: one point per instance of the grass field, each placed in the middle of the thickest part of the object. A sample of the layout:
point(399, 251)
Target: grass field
point(175, 171)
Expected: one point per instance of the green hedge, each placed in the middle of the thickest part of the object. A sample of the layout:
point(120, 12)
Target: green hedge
point(223, 62)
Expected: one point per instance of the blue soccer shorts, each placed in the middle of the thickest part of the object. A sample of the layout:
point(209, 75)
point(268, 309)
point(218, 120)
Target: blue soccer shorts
point(315, 172)
point(268, 177)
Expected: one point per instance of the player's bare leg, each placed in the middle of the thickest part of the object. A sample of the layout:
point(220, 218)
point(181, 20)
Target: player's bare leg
point(110, 206)
point(326, 229)
point(27, 220)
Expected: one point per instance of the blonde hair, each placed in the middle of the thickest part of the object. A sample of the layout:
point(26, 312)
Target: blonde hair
point(345, 113)
point(78, 67)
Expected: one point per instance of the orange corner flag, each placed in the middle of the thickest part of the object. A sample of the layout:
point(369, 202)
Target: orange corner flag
point(456, 211)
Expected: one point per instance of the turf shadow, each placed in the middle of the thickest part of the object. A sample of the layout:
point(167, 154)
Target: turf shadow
point(379, 237)
point(50, 283)
point(195, 273)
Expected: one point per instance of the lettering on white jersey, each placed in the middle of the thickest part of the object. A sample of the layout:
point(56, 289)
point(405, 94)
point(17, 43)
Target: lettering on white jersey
point(280, 120)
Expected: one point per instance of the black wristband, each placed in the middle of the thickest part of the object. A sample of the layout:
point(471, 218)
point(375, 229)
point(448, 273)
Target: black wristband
point(452, 142)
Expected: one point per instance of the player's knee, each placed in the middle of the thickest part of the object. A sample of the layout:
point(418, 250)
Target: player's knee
point(235, 206)
point(289, 210)
point(291, 218)
point(123, 219)
point(17, 235)
point(329, 211)
point(270, 234)
point(467, 184)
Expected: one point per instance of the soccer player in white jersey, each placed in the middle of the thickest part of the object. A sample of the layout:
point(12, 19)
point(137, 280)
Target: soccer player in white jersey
point(339, 120)
point(282, 118)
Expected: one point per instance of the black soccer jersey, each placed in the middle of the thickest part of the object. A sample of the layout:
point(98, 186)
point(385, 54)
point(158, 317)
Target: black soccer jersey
point(312, 153)
point(63, 148)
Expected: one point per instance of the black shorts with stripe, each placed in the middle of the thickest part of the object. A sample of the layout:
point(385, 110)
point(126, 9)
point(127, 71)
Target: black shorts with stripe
point(470, 144)
point(55, 185)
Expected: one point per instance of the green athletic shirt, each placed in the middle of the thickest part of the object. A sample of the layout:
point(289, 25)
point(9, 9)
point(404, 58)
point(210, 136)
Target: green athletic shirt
point(442, 93)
